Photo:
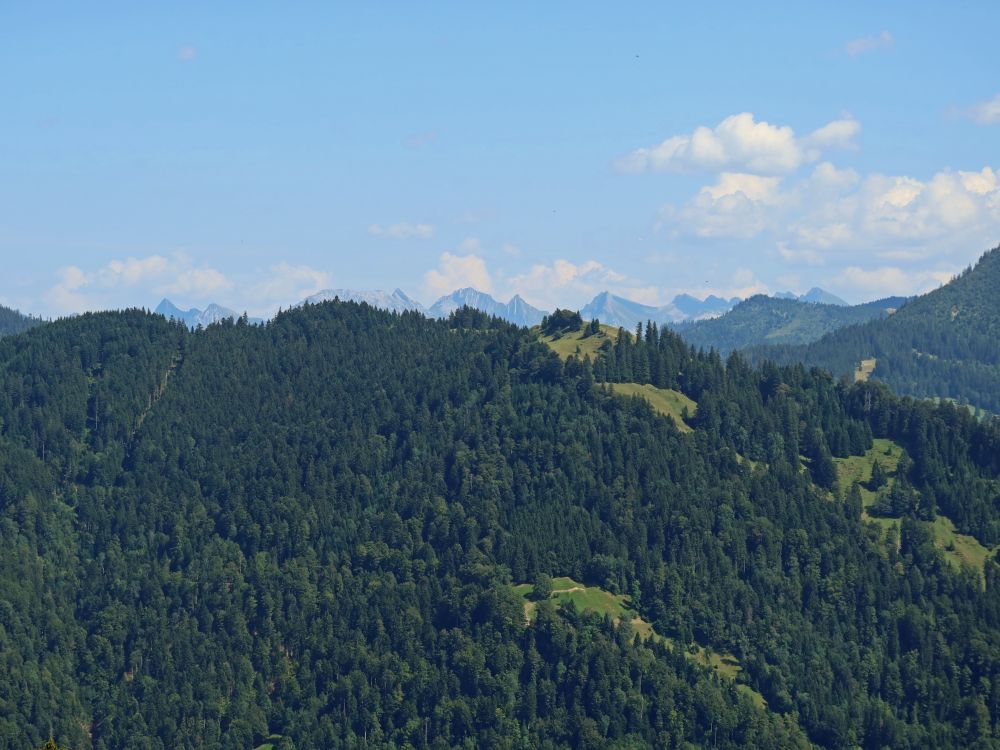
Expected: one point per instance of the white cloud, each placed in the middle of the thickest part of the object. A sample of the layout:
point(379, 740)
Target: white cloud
point(562, 282)
point(740, 143)
point(892, 280)
point(65, 296)
point(402, 231)
point(987, 112)
point(753, 187)
point(187, 53)
point(835, 134)
point(736, 205)
point(864, 44)
point(119, 282)
point(745, 284)
point(836, 213)
point(457, 272)
point(286, 285)
point(198, 281)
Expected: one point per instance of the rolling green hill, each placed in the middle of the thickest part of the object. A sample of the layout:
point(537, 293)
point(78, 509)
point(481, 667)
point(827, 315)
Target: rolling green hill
point(580, 343)
point(307, 534)
point(767, 320)
point(943, 344)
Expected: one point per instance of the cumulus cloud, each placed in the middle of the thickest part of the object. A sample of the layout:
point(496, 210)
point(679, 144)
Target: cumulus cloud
point(864, 44)
point(744, 283)
point(551, 285)
point(741, 144)
point(835, 212)
point(198, 281)
point(737, 205)
point(457, 272)
point(987, 112)
point(118, 282)
point(560, 283)
point(402, 231)
point(287, 284)
point(836, 134)
point(66, 295)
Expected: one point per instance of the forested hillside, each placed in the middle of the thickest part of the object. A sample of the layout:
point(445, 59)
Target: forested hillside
point(306, 534)
point(768, 320)
point(12, 321)
point(943, 344)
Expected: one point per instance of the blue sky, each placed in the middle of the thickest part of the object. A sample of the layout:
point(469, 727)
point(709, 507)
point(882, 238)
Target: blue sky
point(253, 153)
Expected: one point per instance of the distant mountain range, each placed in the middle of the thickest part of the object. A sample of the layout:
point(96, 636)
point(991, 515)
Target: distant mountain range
point(815, 295)
point(693, 308)
point(609, 308)
point(943, 344)
point(195, 317)
point(516, 311)
point(625, 313)
point(775, 320)
point(398, 301)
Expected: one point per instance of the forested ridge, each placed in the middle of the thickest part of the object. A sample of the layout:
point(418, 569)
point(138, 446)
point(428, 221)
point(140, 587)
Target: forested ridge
point(769, 320)
point(12, 321)
point(942, 344)
point(307, 531)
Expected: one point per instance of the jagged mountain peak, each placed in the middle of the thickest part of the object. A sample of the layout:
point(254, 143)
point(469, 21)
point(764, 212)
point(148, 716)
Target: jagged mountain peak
point(515, 311)
point(398, 301)
point(213, 313)
point(816, 296)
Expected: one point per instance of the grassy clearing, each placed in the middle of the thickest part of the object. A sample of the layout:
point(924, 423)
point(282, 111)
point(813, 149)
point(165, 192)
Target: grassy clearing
point(959, 549)
point(859, 468)
point(269, 745)
point(668, 402)
point(617, 607)
point(726, 665)
point(865, 369)
point(586, 598)
point(576, 343)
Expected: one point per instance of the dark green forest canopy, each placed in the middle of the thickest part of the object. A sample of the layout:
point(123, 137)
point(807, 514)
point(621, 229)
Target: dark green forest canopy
point(306, 531)
point(943, 344)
